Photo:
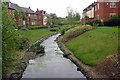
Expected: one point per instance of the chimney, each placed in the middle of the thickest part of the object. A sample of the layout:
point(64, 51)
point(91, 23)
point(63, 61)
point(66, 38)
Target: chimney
point(29, 7)
point(37, 9)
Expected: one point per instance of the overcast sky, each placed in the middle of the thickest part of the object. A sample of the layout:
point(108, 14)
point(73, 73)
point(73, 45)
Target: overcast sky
point(55, 6)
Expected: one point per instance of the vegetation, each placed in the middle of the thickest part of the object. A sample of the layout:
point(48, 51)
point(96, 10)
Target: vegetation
point(95, 45)
point(72, 17)
point(37, 48)
point(11, 43)
point(34, 35)
point(75, 32)
point(94, 22)
point(35, 26)
point(63, 29)
point(114, 21)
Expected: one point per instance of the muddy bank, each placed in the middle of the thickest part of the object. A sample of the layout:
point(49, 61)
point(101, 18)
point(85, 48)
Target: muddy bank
point(25, 60)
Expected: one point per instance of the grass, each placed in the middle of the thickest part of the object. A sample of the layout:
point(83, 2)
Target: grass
point(36, 26)
point(34, 35)
point(93, 46)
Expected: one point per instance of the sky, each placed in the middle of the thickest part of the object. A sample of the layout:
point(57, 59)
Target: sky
point(55, 6)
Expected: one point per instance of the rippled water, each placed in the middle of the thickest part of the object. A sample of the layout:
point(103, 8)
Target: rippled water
point(52, 64)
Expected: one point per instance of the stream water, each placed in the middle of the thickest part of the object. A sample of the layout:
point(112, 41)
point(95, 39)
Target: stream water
point(52, 64)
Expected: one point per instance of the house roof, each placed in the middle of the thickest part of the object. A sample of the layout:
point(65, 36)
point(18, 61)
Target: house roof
point(27, 10)
point(13, 6)
point(89, 7)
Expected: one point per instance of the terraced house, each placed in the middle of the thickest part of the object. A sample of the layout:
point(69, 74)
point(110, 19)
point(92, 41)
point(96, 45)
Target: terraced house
point(101, 10)
point(26, 16)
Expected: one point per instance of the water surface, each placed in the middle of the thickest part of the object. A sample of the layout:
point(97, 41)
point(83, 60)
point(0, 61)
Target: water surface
point(52, 64)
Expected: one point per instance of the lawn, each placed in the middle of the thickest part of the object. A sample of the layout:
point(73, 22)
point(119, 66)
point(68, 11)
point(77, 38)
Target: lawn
point(34, 35)
point(95, 45)
point(35, 26)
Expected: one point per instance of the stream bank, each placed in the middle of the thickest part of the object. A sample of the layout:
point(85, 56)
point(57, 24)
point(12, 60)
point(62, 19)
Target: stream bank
point(25, 60)
point(88, 71)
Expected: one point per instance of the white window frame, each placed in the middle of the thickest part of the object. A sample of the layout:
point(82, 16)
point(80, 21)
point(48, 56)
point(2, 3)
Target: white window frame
point(111, 5)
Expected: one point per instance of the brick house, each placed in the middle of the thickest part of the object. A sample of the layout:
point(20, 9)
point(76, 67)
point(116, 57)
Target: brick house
point(30, 16)
point(101, 10)
point(26, 16)
point(41, 17)
point(12, 11)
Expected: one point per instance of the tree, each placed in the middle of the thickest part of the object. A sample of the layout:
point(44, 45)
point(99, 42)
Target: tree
point(11, 40)
point(77, 16)
point(72, 17)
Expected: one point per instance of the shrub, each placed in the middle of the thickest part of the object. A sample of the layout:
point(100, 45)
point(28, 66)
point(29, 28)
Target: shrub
point(114, 21)
point(94, 22)
point(54, 29)
point(38, 48)
point(62, 32)
point(22, 42)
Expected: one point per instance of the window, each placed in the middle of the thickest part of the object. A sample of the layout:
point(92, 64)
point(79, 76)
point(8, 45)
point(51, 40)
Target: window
point(98, 17)
point(28, 14)
point(98, 6)
point(112, 4)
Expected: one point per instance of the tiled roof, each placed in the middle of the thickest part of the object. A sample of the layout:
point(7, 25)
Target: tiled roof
point(27, 10)
point(13, 6)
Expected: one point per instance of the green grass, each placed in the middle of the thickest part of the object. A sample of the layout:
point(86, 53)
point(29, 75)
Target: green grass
point(36, 26)
point(34, 35)
point(93, 46)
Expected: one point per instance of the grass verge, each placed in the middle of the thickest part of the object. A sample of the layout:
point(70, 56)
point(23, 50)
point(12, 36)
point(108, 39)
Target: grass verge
point(34, 35)
point(93, 46)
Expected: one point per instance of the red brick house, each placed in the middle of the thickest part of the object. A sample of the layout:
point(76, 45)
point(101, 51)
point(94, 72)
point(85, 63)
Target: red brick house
point(101, 10)
point(40, 17)
point(26, 16)
point(12, 11)
point(30, 16)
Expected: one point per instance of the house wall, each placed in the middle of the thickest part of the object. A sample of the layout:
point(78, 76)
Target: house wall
point(104, 11)
point(11, 12)
point(39, 18)
point(84, 20)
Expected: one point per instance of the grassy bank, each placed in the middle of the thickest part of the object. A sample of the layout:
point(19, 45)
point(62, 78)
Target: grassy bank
point(34, 35)
point(93, 46)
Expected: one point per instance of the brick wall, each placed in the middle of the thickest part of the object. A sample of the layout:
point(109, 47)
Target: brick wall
point(104, 11)
point(39, 17)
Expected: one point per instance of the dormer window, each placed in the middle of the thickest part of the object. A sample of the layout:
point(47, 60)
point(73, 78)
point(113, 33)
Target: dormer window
point(112, 4)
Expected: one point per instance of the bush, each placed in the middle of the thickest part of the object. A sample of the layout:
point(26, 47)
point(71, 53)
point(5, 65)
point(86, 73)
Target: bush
point(10, 42)
point(114, 21)
point(62, 32)
point(94, 22)
point(54, 29)
point(22, 42)
point(38, 48)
